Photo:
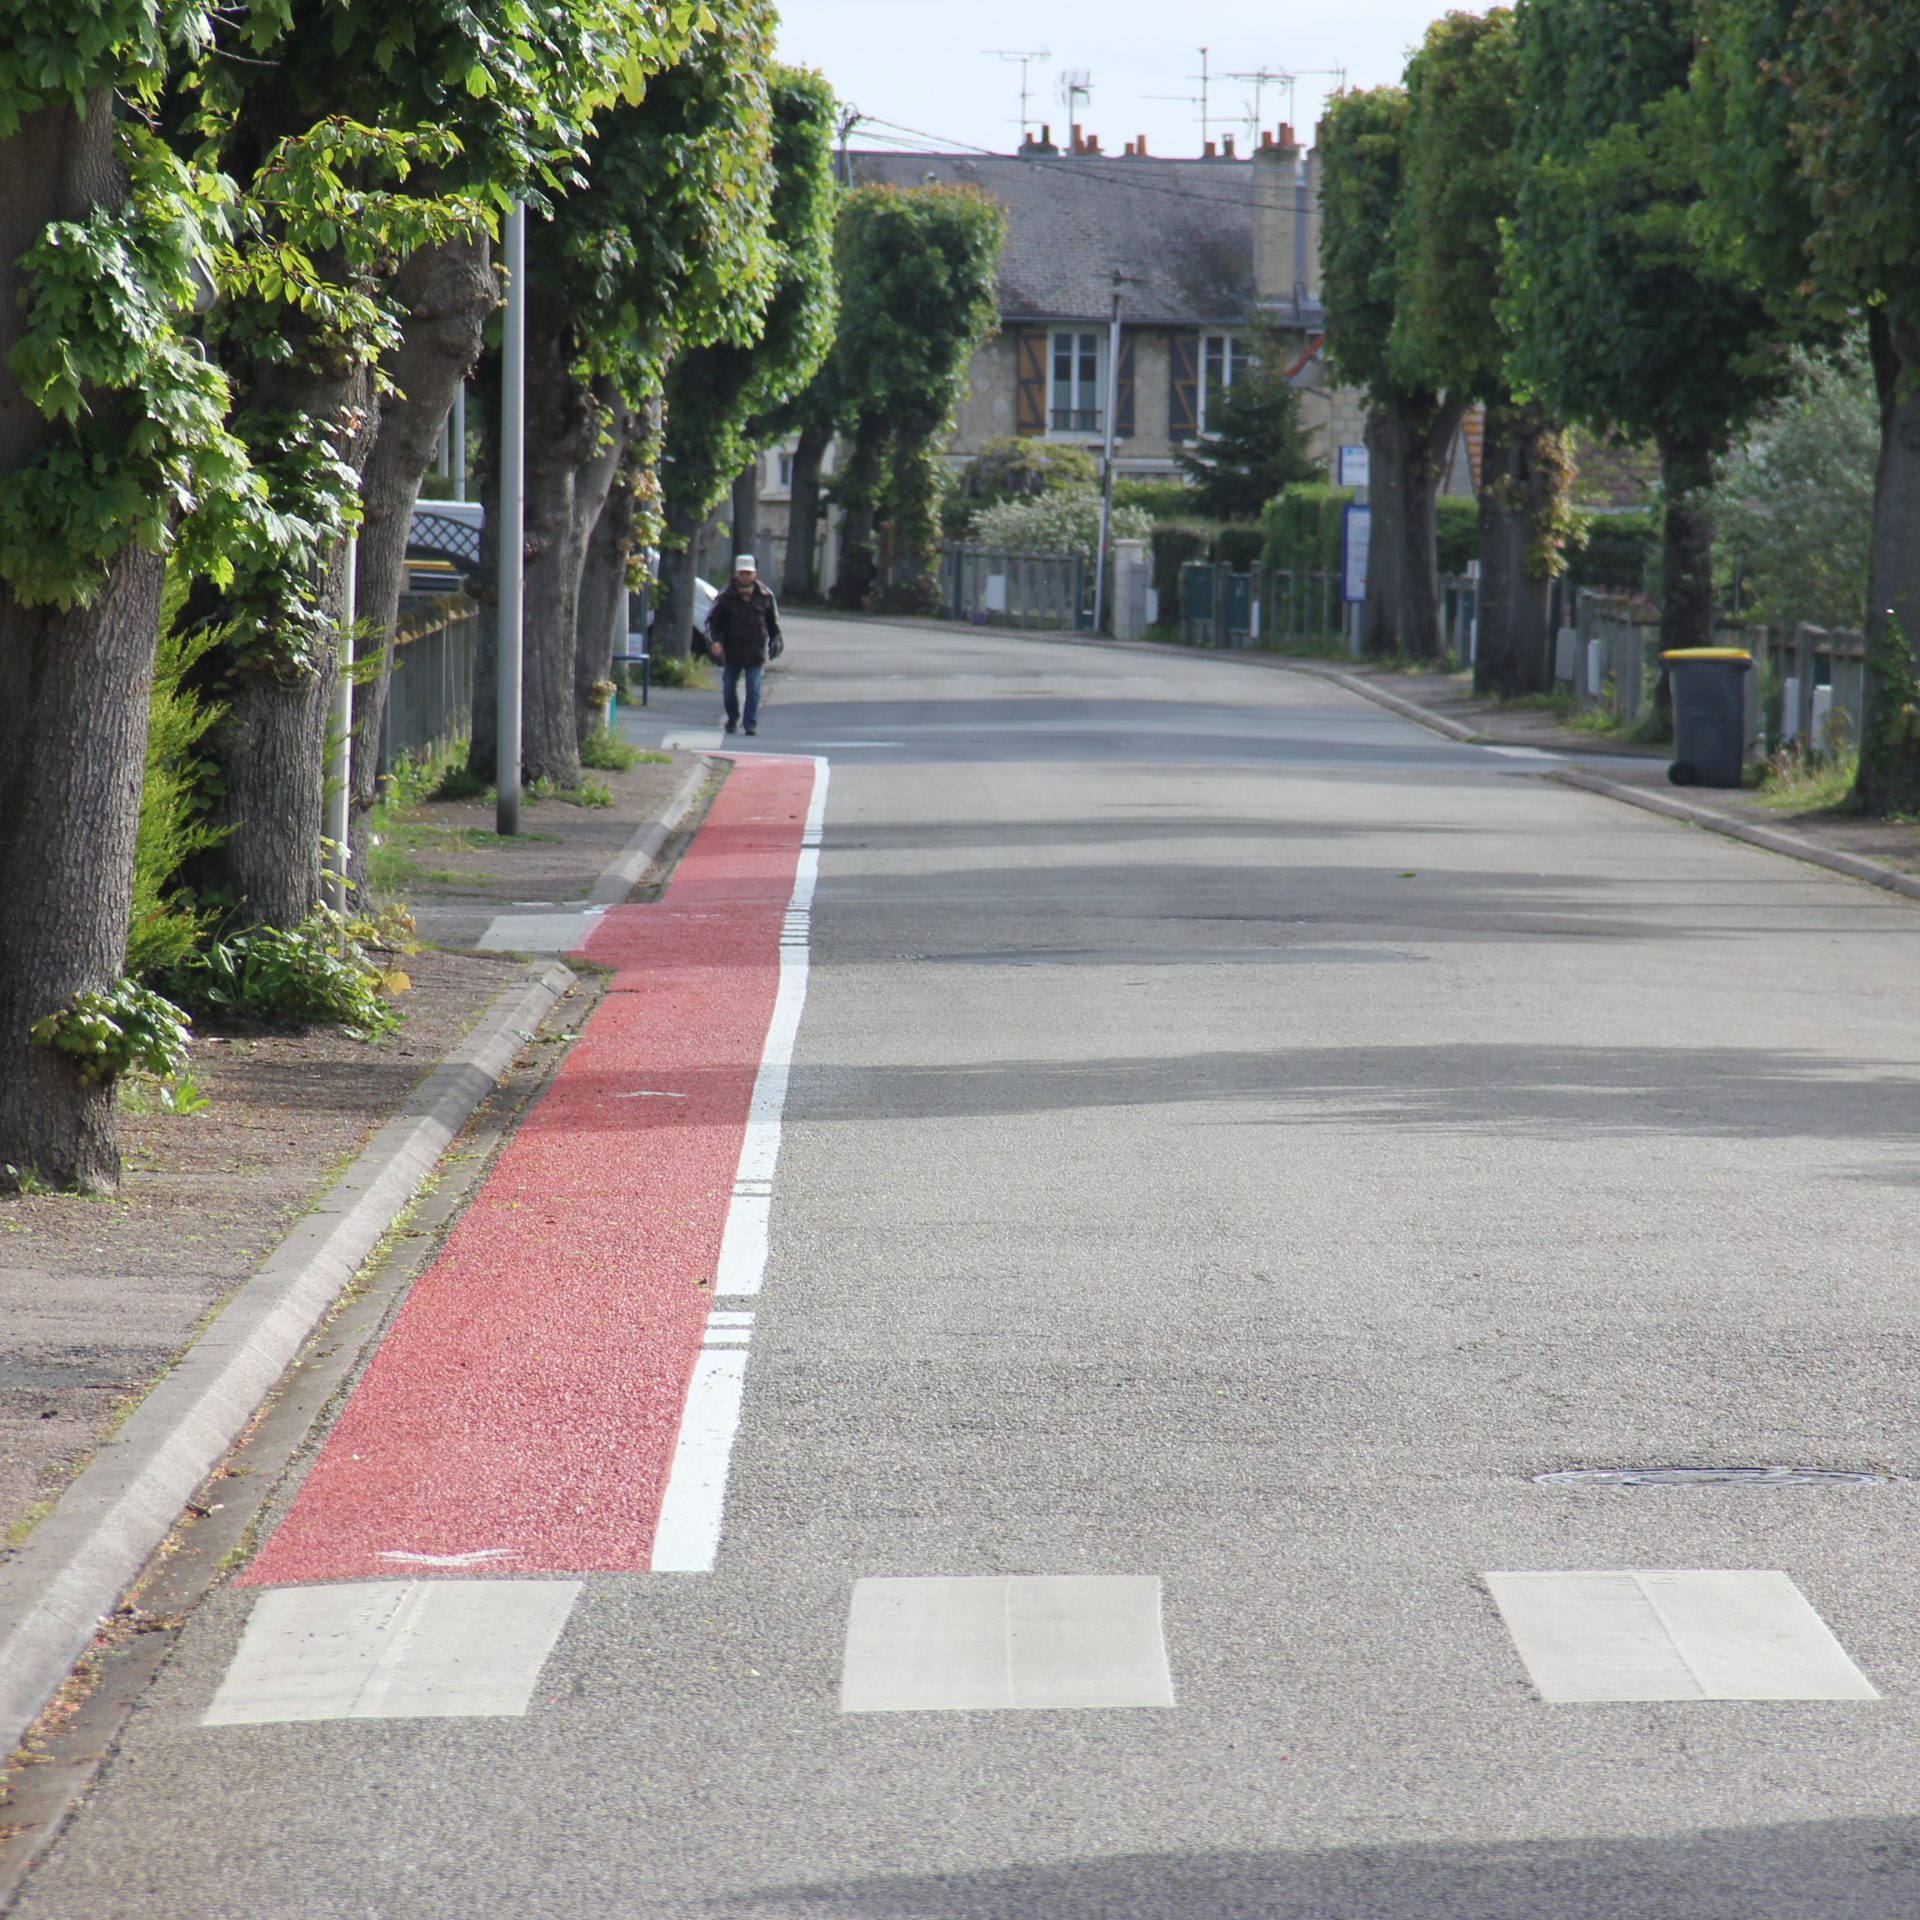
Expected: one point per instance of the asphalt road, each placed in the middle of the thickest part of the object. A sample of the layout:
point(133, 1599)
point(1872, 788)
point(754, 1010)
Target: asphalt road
point(1235, 1140)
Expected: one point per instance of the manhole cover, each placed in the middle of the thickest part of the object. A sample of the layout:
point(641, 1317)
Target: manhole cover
point(1713, 1477)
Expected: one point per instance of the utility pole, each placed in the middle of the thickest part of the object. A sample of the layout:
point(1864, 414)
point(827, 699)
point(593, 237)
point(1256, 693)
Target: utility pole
point(1106, 473)
point(1026, 56)
point(339, 802)
point(513, 525)
point(459, 441)
point(849, 119)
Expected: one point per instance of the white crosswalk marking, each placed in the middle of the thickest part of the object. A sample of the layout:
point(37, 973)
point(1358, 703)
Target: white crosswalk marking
point(1703, 1635)
point(919, 1645)
point(393, 1650)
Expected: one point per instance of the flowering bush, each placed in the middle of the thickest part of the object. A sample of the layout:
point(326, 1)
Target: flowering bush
point(1064, 522)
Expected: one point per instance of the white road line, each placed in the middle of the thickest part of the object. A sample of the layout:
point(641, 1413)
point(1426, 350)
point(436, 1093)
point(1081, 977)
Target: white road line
point(393, 1650)
point(1667, 1635)
point(1523, 753)
point(687, 1539)
point(949, 1645)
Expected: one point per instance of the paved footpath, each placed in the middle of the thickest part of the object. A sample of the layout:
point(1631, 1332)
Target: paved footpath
point(1254, 1191)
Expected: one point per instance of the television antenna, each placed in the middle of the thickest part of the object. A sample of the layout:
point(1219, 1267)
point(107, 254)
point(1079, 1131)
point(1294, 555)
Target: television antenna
point(1075, 89)
point(1026, 56)
point(1205, 78)
point(1259, 80)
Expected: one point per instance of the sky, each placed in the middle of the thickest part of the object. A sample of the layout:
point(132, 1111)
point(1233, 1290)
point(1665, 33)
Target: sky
point(930, 65)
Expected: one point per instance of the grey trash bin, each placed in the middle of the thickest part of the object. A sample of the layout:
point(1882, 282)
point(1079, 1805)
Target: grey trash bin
point(1709, 714)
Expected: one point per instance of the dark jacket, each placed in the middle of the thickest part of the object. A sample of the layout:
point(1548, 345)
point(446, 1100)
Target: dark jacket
point(743, 623)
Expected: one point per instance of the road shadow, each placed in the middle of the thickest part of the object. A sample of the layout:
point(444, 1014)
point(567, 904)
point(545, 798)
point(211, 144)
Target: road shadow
point(1823, 1870)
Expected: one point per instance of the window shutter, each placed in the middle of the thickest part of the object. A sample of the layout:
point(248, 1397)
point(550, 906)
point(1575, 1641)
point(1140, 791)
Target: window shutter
point(1183, 385)
point(1030, 381)
point(1123, 389)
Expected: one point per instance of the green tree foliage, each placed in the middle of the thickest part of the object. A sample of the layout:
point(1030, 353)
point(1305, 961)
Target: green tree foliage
point(1018, 467)
point(919, 264)
point(1255, 444)
point(726, 399)
point(1621, 318)
point(1410, 427)
point(1813, 117)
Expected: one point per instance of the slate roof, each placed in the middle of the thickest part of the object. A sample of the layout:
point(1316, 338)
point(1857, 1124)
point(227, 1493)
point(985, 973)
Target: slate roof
point(1182, 230)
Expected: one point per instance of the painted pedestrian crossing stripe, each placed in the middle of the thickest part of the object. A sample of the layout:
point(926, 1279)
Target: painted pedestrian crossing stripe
point(393, 1650)
point(1673, 1635)
point(1065, 1641)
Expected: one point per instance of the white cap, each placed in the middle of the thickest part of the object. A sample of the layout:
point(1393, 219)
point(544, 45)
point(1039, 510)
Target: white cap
point(743, 563)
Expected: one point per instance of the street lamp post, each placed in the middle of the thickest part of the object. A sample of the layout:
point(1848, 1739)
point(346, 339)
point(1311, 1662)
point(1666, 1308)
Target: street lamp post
point(512, 543)
point(1106, 474)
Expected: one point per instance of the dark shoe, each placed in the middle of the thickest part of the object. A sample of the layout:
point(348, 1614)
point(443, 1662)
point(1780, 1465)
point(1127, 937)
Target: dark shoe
point(731, 728)
point(753, 729)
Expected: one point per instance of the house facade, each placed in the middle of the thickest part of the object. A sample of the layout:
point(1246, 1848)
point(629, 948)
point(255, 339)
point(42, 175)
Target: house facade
point(1202, 252)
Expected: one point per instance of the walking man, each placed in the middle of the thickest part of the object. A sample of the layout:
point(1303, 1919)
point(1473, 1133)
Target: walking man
point(743, 632)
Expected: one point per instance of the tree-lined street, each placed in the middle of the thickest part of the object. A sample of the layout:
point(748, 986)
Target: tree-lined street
point(1238, 1140)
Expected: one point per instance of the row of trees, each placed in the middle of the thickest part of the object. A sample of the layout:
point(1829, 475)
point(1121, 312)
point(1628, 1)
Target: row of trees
point(247, 261)
point(1627, 217)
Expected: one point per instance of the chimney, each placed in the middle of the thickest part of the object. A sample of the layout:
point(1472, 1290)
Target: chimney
point(1208, 152)
point(1226, 147)
point(1092, 145)
point(1266, 140)
point(1140, 145)
point(1280, 236)
point(1073, 140)
point(1044, 146)
point(1126, 152)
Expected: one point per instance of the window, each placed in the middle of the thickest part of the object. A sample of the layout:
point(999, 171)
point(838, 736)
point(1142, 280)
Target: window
point(786, 473)
point(1075, 393)
point(1223, 357)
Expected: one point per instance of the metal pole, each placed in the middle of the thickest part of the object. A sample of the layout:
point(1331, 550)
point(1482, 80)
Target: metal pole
point(513, 531)
point(459, 448)
point(340, 747)
point(1106, 476)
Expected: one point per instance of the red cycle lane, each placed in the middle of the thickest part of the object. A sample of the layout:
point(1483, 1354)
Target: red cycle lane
point(520, 1415)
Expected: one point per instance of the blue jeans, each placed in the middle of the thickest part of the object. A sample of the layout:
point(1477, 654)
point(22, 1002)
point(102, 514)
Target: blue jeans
point(730, 692)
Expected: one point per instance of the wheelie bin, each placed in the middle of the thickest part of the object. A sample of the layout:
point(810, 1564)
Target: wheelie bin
point(1709, 714)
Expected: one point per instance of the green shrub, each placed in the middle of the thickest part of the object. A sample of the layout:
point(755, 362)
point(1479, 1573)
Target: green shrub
point(165, 924)
point(1456, 531)
point(1162, 499)
point(1018, 468)
point(1302, 528)
point(314, 974)
point(675, 667)
point(1238, 546)
point(1172, 544)
point(603, 752)
point(1622, 551)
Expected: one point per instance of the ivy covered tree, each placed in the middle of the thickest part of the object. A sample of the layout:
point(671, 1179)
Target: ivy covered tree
point(1256, 441)
point(1458, 187)
point(1621, 316)
point(111, 434)
point(725, 401)
point(1410, 425)
point(1813, 119)
point(920, 265)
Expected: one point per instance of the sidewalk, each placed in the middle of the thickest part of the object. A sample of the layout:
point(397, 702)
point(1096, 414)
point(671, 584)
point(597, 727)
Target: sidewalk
point(310, 1147)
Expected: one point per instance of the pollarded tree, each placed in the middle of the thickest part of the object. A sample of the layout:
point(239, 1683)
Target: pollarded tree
point(111, 429)
point(1621, 316)
point(726, 401)
point(1410, 426)
point(1813, 112)
point(920, 264)
point(1458, 186)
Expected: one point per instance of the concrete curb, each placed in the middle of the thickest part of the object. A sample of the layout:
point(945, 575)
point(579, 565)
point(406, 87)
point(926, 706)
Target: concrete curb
point(1406, 709)
point(1854, 866)
point(620, 878)
point(78, 1561)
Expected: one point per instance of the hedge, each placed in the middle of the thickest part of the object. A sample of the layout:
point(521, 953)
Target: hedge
point(1300, 528)
point(1621, 551)
point(1173, 544)
point(1164, 499)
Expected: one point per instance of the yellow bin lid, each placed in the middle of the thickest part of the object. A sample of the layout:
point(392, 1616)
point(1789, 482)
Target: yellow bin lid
point(1709, 653)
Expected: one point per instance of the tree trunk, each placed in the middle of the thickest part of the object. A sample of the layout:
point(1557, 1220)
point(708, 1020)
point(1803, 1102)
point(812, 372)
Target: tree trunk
point(446, 293)
point(562, 432)
point(1889, 779)
point(746, 512)
point(1408, 441)
point(860, 484)
point(798, 584)
point(484, 721)
point(1686, 558)
point(1520, 478)
point(673, 624)
point(74, 691)
point(604, 550)
point(913, 523)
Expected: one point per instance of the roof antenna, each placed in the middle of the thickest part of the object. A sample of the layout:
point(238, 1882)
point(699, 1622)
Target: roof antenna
point(1025, 56)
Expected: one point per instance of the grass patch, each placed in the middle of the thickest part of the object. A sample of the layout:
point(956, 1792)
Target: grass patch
point(589, 793)
point(681, 670)
point(1795, 782)
point(606, 754)
point(1540, 703)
